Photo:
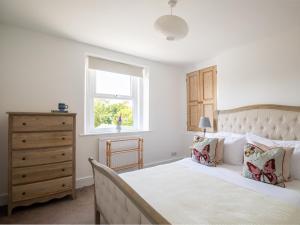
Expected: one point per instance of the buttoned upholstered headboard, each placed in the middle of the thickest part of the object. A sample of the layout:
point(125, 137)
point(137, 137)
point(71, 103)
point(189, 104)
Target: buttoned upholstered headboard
point(271, 121)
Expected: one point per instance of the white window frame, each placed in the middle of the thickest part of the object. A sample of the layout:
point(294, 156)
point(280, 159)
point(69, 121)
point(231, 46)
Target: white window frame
point(137, 97)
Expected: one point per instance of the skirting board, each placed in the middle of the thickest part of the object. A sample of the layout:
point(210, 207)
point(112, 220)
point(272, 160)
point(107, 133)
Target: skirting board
point(162, 162)
point(84, 182)
point(88, 181)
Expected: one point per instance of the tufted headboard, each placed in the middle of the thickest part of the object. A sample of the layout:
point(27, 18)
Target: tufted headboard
point(271, 121)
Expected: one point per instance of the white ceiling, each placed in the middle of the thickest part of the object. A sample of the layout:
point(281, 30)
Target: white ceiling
point(127, 25)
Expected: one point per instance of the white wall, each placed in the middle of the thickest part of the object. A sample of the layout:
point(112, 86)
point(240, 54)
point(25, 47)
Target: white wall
point(37, 71)
point(267, 71)
point(263, 72)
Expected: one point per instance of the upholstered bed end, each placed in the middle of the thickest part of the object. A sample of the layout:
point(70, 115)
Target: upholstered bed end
point(117, 203)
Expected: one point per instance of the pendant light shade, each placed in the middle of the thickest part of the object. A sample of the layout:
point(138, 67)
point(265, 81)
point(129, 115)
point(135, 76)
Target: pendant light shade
point(171, 26)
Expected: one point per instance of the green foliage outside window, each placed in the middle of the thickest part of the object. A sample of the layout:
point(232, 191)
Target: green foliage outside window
point(107, 113)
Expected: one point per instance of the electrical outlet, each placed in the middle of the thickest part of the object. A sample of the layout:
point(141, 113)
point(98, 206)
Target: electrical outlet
point(173, 154)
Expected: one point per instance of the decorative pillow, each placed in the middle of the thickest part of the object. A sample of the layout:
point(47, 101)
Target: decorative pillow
point(204, 150)
point(219, 148)
point(264, 166)
point(267, 144)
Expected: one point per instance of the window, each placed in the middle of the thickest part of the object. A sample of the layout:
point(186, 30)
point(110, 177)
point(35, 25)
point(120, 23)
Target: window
point(114, 91)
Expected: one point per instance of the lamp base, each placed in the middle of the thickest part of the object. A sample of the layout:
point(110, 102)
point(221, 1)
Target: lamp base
point(204, 131)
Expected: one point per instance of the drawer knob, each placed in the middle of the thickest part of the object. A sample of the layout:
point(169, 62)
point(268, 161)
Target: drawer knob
point(24, 141)
point(24, 124)
point(63, 185)
point(24, 158)
point(63, 138)
point(63, 123)
point(63, 154)
point(63, 170)
point(24, 175)
point(24, 193)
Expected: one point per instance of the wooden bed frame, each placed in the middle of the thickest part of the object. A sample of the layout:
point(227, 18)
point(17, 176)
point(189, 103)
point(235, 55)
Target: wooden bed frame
point(117, 203)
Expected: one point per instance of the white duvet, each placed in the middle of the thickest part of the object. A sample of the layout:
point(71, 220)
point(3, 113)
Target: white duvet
point(186, 192)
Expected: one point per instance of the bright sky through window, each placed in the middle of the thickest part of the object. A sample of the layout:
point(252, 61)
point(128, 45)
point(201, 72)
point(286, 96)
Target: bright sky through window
point(113, 83)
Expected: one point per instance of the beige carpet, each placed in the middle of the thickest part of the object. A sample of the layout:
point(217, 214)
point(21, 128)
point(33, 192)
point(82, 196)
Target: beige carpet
point(58, 211)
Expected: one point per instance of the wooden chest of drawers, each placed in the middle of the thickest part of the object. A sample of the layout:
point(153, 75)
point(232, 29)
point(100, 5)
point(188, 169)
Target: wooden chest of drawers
point(41, 150)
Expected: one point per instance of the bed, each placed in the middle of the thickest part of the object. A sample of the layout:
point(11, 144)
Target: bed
point(186, 192)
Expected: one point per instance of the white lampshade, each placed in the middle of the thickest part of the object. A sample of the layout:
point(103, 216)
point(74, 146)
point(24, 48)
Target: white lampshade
point(172, 27)
point(204, 122)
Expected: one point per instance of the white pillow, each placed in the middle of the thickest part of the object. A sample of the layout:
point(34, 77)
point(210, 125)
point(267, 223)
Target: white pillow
point(229, 134)
point(280, 143)
point(234, 150)
point(288, 144)
point(252, 138)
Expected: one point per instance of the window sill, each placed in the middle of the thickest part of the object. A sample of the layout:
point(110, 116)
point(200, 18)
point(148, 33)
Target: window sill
point(114, 133)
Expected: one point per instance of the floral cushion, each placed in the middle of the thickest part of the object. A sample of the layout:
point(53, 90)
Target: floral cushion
point(219, 147)
point(204, 151)
point(267, 144)
point(264, 166)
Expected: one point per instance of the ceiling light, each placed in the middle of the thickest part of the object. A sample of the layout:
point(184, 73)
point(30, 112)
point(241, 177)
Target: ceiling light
point(171, 26)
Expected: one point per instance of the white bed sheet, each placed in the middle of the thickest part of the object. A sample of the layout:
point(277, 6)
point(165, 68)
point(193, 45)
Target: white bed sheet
point(179, 189)
point(232, 174)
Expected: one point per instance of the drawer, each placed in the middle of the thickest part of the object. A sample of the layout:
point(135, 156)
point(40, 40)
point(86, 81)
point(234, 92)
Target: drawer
point(41, 173)
point(41, 189)
point(40, 140)
point(42, 123)
point(34, 157)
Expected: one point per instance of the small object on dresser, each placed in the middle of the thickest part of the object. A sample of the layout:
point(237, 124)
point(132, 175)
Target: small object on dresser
point(57, 111)
point(62, 107)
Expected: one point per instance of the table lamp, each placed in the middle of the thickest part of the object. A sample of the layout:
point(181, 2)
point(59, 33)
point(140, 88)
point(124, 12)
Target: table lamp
point(204, 123)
